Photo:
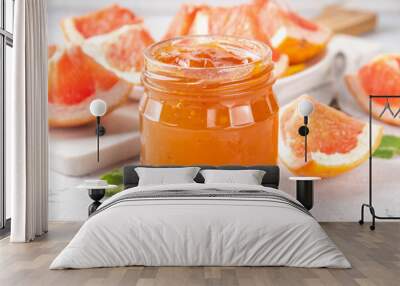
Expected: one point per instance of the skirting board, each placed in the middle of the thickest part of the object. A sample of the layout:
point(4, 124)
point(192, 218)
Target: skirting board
point(73, 151)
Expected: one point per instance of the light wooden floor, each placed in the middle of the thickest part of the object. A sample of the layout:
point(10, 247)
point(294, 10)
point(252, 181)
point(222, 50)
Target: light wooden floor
point(375, 257)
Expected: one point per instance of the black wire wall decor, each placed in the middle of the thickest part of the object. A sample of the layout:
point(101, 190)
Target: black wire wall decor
point(394, 114)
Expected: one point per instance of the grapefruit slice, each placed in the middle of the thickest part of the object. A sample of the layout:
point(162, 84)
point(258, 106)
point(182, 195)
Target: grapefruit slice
point(120, 51)
point(379, 77)
point(182, 21)
point(238, 20)
point(290, 33)
point(337, 143)
point(108, 19)
point(74, 80)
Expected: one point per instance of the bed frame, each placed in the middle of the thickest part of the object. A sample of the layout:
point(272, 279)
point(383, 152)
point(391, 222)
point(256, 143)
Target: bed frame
point(271, 177)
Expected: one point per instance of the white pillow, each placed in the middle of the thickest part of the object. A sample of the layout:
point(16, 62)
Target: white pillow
point(165, 176)
point(247, 177)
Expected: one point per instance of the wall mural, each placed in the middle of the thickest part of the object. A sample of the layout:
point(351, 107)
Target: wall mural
point(167, 117)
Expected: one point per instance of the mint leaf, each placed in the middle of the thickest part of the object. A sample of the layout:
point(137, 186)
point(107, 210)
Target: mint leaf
point(114, 177)
point(384, 153)
point(111, 192)
point(390, 142)
point(389, 147)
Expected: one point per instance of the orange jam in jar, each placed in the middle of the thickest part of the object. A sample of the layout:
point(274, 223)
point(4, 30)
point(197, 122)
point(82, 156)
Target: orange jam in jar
point(208, 100)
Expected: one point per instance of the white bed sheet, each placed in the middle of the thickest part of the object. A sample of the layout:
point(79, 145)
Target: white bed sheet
point(200, 231)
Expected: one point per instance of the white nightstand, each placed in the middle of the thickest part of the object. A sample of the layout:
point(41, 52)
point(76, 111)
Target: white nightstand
point(305, 190)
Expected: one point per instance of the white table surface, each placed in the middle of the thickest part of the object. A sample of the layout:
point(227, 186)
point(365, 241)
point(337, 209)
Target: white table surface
point(338, 199)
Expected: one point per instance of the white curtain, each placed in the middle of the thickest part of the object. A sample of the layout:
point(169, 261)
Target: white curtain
point(26, 121)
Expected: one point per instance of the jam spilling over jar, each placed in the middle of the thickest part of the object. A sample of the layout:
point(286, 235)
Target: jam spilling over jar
point(208, 100)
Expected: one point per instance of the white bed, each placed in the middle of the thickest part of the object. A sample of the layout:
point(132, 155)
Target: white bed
point(267, 229)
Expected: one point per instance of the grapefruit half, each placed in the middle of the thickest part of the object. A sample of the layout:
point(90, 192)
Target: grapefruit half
point(290, 33)
point(337, 143)
point(74, 80)
point(381, 76)
point(108, 19)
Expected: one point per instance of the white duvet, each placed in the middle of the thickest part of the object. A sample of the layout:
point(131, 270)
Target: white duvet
point(200, 231)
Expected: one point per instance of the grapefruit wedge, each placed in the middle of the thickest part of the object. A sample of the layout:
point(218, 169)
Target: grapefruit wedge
point(281, 64)
point(103, 21)
point(74, 80)
point(120, 51)
point(337, 143)
point(381, 76)
point(289, 33)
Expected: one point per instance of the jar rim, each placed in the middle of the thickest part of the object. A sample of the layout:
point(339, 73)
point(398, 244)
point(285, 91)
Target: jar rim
point(265, 55)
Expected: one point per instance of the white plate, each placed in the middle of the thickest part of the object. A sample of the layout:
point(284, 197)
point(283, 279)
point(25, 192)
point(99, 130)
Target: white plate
point(288, 88)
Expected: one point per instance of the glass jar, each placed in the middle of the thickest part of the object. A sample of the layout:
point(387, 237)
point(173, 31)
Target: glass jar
point(208, 100)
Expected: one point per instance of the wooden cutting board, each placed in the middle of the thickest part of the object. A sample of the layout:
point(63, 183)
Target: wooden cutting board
point(73, 151)
point(346, 20)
